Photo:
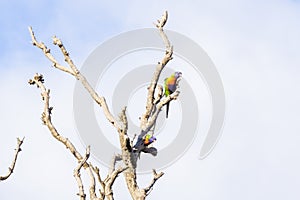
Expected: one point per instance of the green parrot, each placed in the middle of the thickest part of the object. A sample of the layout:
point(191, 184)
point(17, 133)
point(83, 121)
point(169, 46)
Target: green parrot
point(170, 87)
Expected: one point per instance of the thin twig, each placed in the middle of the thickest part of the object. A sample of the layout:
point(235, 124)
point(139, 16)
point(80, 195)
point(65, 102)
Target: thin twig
point(102, 185)
point(92, 183)
point(77, 175)
point(13, 164)
point(47, 53)
point(155, 178)
point(46, 116)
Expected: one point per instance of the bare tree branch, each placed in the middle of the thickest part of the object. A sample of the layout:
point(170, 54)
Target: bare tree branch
point(73, 70)
point(109, 181)
point(155, 178)
point(46, 115)
point(155, 102)
point(151, 122)
point(151, 101)
point(159, 94)
point(59, 43)
point(106, 185)
point(93, 195)
point(47, 53)
point(77, 175)
point(124, 120)
point(13, 164)
point(102, 186)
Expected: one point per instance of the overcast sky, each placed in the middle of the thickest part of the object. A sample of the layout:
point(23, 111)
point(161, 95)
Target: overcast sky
point(255, 48)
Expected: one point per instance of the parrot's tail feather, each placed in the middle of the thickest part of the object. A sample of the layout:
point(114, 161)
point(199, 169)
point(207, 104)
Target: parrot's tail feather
point(167, 109)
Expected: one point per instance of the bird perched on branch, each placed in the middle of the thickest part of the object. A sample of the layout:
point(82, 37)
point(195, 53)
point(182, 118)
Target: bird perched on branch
point(170, 87)
point(149, 139)
point(144, 142)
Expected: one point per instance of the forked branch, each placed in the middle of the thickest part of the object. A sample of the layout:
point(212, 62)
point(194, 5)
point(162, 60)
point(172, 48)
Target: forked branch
point(73, 70)
point(106, 185)
point(156, 176)
point(160, 66)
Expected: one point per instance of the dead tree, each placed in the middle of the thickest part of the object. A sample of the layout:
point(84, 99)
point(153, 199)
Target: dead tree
point(13, 164)
point(128, 157)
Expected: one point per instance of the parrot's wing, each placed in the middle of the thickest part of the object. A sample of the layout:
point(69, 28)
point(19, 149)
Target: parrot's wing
point(151, 150)
point(172, 88)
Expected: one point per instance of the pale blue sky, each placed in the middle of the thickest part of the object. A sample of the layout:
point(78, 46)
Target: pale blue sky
point(255, 47)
